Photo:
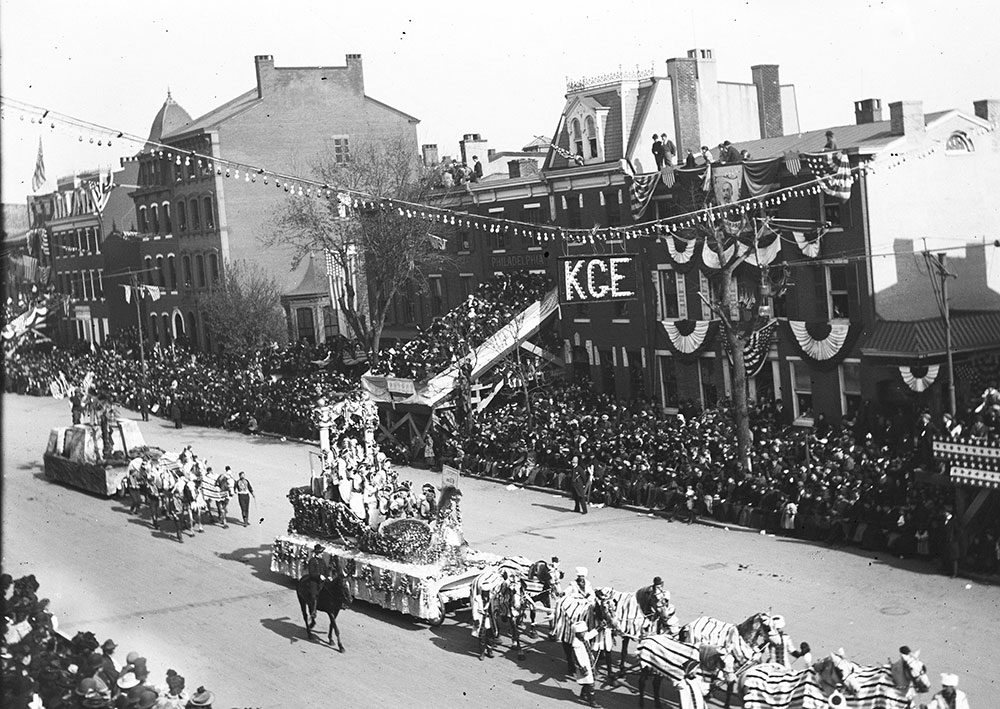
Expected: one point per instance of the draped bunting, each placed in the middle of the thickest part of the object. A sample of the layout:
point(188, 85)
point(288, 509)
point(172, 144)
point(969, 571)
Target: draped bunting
point(688, 338)
point(823, 343)
point(919, 378)
point(667, 175)
point(756, 348)
point(767, 250)
point(840, 182)
point(793, 161)
point(680, 250)
point(642, 192)
point(761, 176)
point(710, 257)
point(809, 247)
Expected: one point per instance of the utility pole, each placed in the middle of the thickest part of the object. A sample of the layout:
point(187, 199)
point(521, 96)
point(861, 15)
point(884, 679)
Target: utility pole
point(944, 274)
point(143, 404)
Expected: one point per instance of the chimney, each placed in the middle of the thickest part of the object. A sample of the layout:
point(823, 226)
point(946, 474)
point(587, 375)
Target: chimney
point(906, 118)
point(265, 72)
point(356, 73)
point(490, 152)
point(868, 110)
point(765, 78)
point(683, 73)
point(430, 151)
point(473, 144)
point(989, 110)
point(513, 168)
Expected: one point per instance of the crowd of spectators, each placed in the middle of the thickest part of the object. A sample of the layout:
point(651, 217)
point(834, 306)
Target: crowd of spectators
point(274, 389)
point(858, 481)
point(41, 668)
point(452, 336)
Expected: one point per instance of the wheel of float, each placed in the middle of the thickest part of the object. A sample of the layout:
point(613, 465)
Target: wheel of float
point(442, 612)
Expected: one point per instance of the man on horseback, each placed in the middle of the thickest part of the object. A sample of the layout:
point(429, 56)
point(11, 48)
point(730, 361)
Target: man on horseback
point(317, 571)
point(654, 600)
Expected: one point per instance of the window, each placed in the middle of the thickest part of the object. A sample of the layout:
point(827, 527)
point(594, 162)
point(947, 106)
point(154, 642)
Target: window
point(850, 387)
point(802, 398)
point(154, 216)
point(154, 331)
point(464, 240)
point(330, 327)
point(581, 364)
point(709, 392)
point(958, 143)
point(437, 295)
point(673, 298)
point(612, 211)
point(577, 137)
point(607, 371)
point(192, 328)
point(186, 265)
point(499, 240)
point(622, 309)
point(213, 266)
point(166, 218)
point(304, 324)
point(668, 382)
point(591, 136)
point(636, 375)
point(209, 213)
point(178, 171)
point(468, 284)
point(706, 290)
point(572, 208)
point(195, 218)
point(172, 272)
point(407, 309)
point(838, 299)
point(831, 211)
point(199, 270)
point(161, 274)
point(182, 222)
point(143, 223)
point(100, 283)
point(192, 169)
point(147, 270)
point(341, 150)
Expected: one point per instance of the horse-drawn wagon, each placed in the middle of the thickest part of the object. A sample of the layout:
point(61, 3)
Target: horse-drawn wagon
point(90, 457)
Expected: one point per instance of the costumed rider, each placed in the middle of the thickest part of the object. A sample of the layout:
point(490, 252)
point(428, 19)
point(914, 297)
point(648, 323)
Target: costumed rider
point(581, 590)
point(780, 648)
point(482, 621)
point(317, 570)
point(583, 656)
point(950, 696)
point(651, 600)
point(605, 633)
point(692, 689)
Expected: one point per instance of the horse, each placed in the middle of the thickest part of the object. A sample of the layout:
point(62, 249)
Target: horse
point(891, 686)
point(542, 584)
point(633, 616)
point(508, 599)
point(745, 641)
point(663, 656)
point(569, 610)
point(329, 595)
point(825, 683)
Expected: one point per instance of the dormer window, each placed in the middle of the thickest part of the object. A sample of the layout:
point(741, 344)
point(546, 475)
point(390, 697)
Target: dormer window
point(958, 142)
point(591, 136)
point(577, 138)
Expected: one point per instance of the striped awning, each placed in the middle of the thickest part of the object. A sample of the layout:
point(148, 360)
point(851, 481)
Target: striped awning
point(970, 462)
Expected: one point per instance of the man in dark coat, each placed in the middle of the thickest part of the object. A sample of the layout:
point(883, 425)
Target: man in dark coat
point(583, 476)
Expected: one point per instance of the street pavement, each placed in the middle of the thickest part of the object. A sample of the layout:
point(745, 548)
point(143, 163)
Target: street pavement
point(210, 608)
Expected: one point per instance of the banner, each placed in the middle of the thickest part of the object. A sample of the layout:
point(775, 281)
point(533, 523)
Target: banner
point(728, 181)
point(598, 279)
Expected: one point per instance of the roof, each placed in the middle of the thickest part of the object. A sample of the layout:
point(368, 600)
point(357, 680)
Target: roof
point(405, 115)
point(216, 116)
point(313, 282)
point(643, 101)
point(169, 119)
point(538, 144)
point(866, 136)
point(971, 331)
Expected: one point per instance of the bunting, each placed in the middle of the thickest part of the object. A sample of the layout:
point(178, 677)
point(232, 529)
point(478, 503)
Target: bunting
point(839, 183)
point(808, 247)
point(767, 249)
point(761, 176)
point(756, 348)
point(710, 257)
point(682, 255)
point(688, 338)
point(918, 378)
point(824, 343)
point(642, 192)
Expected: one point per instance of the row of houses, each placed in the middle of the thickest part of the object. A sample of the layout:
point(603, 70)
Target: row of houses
point(840, 291)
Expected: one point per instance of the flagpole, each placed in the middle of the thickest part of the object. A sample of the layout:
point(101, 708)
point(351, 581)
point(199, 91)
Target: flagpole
point(142, 347)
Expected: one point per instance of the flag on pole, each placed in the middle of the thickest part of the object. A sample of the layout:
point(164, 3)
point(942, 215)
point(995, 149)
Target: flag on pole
point(100, 192)
point(38, 179)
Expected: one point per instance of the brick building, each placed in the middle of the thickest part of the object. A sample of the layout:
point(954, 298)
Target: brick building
point(193, 218)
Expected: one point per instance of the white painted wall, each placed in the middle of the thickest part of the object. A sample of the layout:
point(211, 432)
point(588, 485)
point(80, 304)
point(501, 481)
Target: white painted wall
point(738, 117)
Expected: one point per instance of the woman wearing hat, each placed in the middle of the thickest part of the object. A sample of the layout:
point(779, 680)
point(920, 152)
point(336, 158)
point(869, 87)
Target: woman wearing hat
point(950, 696)
point(583, 657)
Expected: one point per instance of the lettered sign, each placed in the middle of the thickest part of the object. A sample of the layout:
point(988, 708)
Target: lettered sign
point(597, 279)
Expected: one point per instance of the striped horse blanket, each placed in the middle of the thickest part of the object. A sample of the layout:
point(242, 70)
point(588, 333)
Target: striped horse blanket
point(772, 686)
point(726, 636)
point(491, 580)
point(628, 618)
point(667, 656)
point(571, 609)
point(212, 490)
point(876, 688)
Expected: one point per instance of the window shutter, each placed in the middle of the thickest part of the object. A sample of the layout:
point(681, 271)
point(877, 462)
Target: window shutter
point(682, 307)
point(657, 294)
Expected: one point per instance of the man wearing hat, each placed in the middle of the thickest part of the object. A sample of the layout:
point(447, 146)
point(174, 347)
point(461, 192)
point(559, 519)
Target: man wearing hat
point(780, 649)
point(950, 696)
point(108, 649)
point(202, 698)
point(691, 689)
point(583, 657)
point(581, 587)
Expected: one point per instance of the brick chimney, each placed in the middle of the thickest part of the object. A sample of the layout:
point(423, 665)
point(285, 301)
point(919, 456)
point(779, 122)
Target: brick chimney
point(356, 73)
point(683, 73)
point(765, 78)
point(265, 72)
point(473, 144)
point(430, 152)
point(989, 110)
point(906, 118)
point(868, 110)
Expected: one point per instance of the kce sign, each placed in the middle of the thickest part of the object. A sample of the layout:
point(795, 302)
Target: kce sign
point(595, 279)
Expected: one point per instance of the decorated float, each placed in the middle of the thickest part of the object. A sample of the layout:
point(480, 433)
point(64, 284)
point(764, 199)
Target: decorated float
point(357, 510)
point(91, 456)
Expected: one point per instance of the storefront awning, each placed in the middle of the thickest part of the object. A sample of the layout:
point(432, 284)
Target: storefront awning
point(924, 340)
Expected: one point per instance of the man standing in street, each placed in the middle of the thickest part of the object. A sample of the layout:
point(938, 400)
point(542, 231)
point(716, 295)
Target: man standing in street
point(950, 696)
point(244, 490)
point(583, 476)
point(583, 657)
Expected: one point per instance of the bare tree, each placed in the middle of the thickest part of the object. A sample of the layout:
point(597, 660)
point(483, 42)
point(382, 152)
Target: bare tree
point(245, 314)
point(380, 248)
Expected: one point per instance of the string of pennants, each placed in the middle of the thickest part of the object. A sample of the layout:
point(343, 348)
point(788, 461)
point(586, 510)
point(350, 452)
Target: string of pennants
point(831, 173)
point(142, 291)
point(760, 250)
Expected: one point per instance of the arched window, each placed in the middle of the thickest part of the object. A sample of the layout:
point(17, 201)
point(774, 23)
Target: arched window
point(209, 213)
point(172, 272)
point(195, 219)
point(154, 330)
point(181, 216)
point(161, 275)
point(143, 221)
point(199, 270)
point(591, 135)
point(213, 267)
point(577, 138)
point(186, 264)
point(165, 329)
point(167, 227)
point(958, 142)
point(178, 324)
point(147, 271)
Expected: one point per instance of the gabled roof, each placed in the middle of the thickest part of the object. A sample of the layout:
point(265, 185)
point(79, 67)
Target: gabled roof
point(643, 101)
point(971, 331)
point(386, 106)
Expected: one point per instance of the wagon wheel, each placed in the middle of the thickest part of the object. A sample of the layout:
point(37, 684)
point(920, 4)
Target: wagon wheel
point(439, 619)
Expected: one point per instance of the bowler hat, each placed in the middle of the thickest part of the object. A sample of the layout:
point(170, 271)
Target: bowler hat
point(201, 698)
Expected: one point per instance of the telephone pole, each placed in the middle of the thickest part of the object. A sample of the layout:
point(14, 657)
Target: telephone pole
point(944, 274)
point(143, 404)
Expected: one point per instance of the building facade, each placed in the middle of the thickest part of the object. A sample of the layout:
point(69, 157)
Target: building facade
point(195, 215)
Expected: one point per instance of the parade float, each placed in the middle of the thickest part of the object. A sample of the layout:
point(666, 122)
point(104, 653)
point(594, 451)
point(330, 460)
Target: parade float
point(93, 456)
point(419, 567)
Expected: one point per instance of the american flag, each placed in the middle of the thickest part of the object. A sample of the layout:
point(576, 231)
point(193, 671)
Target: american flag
point(839, 183)
point(642, 191)
point(38, 179)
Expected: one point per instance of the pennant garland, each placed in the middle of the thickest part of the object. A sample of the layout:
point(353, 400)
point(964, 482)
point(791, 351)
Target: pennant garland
point(919, 379)
point(688, 338)
point(641, 189)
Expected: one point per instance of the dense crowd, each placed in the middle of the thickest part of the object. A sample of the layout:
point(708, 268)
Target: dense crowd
point(851, 482)
point(274, 389)
point(452, 336)
point(43, 669)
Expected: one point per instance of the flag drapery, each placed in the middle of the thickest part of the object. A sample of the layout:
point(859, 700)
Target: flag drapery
point(919, 379)
point(153, 292)
point(767, 248)
point(688, 338)
point(38, 179)
point(808, 247)
point(840, 182)
point(823, 343)
point(100, 192)
point(642, 192)
point(756, 348)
